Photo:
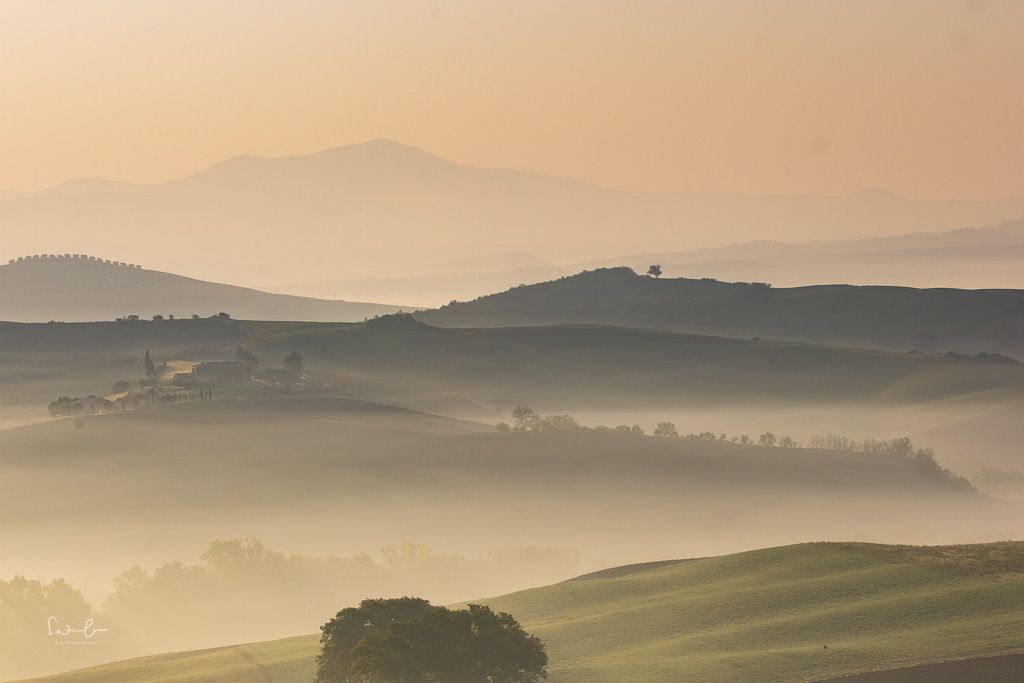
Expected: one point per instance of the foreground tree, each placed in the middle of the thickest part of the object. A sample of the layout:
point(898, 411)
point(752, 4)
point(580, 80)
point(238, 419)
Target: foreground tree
point(342, 633)
point(409, 639)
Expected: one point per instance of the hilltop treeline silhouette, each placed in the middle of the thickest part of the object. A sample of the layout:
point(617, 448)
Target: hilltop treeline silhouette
point(71, 257)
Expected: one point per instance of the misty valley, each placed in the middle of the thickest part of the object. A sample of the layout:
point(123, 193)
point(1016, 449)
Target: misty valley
point(405, 341)
point(193, 481)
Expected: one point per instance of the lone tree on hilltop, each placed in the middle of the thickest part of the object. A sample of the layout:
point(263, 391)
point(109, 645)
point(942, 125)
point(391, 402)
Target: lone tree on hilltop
point(408, 639)
point(654, 270)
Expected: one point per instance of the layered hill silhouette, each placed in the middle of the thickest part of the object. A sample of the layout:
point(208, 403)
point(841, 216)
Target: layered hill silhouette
point(893, 318)
point(364, 206)
point(974, 258)
point(986, 257)
point(75, 287)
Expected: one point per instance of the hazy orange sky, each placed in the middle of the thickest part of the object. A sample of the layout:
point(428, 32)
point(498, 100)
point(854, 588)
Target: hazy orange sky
point(923, 97)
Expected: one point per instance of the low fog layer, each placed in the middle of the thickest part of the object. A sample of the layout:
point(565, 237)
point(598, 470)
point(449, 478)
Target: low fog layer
point(365, 498)
point(340, 477)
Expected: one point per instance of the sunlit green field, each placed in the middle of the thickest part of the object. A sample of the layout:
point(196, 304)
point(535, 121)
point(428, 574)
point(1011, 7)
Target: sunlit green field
point(765, 615)
point(289, 660)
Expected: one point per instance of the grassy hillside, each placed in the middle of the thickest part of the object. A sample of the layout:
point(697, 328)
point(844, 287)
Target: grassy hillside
point(564, 366)
point(76, 289)
point(282, 661)
point(764, 615)
point(603, 374)
point(895, 318)
point(555, 367)
point(97, 338)
point(767, 615)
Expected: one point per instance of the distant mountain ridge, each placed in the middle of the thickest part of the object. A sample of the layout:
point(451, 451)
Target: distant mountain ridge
point(380, 203)
point(78, 287)
point(891, 318)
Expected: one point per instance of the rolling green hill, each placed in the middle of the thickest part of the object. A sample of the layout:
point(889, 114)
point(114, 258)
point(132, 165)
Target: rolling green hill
point(759, 616)
point(894, 318)
point(554, 367)
point(559, 367)
point(602, 374)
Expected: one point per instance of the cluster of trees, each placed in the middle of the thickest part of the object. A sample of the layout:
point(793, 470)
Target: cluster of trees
point(245, 592)
point(408, 639)
point(399, 320)
point(525, 419)
point(134, 317)
point(768, 439)
point(25, 608)
point(979, 357)
point(244, 355)
point(76, 257)
point(901, 447)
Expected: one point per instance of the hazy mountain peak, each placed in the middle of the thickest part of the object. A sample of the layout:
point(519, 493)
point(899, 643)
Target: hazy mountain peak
point(393, 205)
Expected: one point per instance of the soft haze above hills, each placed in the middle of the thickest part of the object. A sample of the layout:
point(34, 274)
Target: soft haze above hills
point(77, 288)
point(969, 258)
point(360, 208)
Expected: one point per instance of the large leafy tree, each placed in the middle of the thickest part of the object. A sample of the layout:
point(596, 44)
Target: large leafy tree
point(409, 640)
point(342, 633)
